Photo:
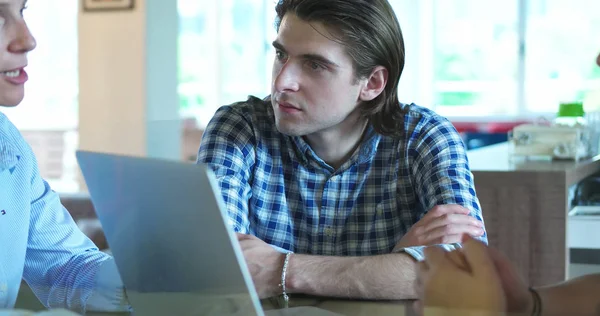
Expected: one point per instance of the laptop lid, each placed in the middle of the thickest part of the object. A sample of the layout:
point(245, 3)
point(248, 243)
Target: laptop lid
point(168, 230)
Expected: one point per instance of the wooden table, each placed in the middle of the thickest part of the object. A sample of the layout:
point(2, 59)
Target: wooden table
point(525, 206)
point(339, 306)
point(28, 301)
point(349, 307)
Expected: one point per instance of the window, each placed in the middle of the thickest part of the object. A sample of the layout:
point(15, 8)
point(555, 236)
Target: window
point(48, 117)
point(507, 59)
point(475, 57)
point(465, 58)
point(224, 49)
point(563, 40)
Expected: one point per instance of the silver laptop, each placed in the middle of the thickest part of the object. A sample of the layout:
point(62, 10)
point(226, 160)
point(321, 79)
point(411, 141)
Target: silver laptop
point(169, 233)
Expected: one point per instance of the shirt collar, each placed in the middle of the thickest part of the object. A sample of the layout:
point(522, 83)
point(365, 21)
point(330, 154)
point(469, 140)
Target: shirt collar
point(366, 152)
point(303, 149)
point(368, 148)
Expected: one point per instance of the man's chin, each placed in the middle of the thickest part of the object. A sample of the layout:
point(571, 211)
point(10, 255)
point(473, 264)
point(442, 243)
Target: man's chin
point(11, 96)
point(10, 105)
point(288, 130)
point(10, 101)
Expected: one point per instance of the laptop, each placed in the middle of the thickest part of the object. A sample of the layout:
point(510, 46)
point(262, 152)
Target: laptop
point(171, 238)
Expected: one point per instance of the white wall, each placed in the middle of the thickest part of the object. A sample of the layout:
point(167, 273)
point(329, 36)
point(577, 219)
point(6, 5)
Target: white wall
point(128, 80)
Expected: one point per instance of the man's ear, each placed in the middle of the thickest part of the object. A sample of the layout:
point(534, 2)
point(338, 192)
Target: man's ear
point(375, 84)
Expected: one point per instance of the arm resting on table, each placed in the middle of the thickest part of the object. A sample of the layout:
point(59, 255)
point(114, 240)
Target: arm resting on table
point(385, 277)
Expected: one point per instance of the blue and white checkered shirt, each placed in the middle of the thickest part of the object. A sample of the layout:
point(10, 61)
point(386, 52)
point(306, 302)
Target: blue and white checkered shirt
point(276, 188)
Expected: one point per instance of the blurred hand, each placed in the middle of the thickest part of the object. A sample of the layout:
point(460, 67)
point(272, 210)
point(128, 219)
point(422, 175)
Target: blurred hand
point(516, 292)
point(443, 224)
point(265, 265)
point(463, 280)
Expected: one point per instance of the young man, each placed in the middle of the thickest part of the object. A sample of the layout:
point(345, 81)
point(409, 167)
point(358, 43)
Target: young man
point(39, 241)
point(332, 167)
point(491, 285)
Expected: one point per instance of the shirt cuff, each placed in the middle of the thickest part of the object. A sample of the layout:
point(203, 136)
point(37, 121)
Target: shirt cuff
point(109, 293)
point(417, 251)
point(279, 249)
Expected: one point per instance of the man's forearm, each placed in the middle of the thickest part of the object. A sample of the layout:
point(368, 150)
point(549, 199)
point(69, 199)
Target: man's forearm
point(578, 296)
point(390, 276)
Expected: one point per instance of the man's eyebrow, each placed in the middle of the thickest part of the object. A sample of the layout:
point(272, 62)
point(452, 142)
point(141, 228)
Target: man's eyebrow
point(6, 4)
point(314, 57)
point(278, 46)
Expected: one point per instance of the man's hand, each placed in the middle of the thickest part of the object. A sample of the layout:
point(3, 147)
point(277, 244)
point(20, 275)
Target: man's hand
point(265, 265)
point(443, 224)
point(469, 282)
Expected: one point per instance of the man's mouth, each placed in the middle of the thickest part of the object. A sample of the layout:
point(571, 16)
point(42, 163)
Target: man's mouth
point(15, 76)
point(288, 106)
point(12, 73)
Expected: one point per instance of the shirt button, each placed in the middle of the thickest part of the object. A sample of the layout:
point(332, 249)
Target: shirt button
point(329, 231)
point(379, 209)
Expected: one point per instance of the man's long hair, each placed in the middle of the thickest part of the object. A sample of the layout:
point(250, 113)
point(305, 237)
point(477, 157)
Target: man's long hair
point(371, 34)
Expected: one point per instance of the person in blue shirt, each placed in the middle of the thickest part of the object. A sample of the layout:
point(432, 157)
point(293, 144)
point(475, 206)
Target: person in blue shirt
point(39, 241)
point(332, 167)
point(489, 284)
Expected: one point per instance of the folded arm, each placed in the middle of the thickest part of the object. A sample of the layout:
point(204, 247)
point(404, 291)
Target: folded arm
point(381, 277)
point(442, 177)
point(445, 188)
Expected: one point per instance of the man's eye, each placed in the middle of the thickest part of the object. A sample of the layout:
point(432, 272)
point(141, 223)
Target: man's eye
point(315, 66)
point(280, 55)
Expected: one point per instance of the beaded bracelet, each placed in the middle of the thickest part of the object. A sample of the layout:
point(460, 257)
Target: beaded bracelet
point(285, 299)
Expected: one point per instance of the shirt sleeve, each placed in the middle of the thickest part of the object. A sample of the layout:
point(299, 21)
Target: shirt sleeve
point(227, 148)
point(109, 294)
point(442, 174)
point(61, 263)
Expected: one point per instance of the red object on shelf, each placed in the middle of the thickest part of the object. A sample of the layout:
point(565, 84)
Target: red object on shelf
point(466, 127)
point(486, 127)
point(503, 127)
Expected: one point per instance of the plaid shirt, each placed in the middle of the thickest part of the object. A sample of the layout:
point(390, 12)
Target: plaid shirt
point(276, 188)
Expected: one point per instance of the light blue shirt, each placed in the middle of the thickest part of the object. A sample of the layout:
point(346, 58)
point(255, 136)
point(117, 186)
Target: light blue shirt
point(40, 242)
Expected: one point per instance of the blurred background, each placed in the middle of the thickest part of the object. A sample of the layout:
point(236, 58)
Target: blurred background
point(145, 81)
point(486, 65)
